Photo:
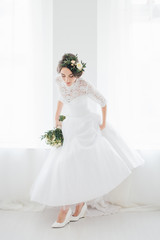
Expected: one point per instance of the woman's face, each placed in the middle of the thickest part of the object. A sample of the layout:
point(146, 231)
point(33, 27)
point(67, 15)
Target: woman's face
point(67, 76)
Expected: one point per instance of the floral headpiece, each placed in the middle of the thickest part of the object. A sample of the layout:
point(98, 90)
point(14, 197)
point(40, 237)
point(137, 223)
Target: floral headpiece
point(73, 64)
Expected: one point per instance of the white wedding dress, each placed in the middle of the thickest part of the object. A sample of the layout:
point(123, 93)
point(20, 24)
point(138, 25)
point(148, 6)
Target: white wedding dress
point(91, 162)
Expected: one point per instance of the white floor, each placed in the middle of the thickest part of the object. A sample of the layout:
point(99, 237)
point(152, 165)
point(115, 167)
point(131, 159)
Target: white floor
point(27, 225)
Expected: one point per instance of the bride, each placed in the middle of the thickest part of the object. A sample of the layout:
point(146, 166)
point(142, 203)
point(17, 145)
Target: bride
point(94, 158)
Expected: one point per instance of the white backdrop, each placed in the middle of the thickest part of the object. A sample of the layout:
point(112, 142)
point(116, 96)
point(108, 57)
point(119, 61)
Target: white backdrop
point(75, 31)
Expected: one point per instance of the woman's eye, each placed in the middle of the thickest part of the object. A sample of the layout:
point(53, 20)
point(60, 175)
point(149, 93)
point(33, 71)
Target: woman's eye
point(70, 76)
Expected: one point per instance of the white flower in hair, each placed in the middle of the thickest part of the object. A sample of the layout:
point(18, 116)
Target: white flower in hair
point(79, 65)
point(73, 61)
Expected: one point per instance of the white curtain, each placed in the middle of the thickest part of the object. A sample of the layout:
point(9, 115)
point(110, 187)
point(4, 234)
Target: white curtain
point(128, 75)
point(128, 68)
point(26, 72)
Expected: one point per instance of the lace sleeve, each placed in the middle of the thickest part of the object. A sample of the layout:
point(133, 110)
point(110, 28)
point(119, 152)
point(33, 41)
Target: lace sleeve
point(58, 84)
point(95, 94)
point(60, 97)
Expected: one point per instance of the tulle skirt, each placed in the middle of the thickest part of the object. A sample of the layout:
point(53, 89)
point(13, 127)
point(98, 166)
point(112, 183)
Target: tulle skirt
point(90, 164)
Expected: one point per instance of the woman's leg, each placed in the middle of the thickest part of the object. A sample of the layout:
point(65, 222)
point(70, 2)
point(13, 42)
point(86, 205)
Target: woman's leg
point(62, 213)
point(78, 209)
point(64, 209)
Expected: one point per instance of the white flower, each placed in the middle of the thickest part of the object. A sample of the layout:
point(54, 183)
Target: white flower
point(58, 144)
point(79, 65)
point(73, 61)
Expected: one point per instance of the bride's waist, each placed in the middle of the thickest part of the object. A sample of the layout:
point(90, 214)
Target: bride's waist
point(73, 112)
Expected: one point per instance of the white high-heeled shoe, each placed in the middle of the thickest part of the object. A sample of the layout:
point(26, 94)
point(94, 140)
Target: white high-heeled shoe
point(80, 215)
point(67, 220)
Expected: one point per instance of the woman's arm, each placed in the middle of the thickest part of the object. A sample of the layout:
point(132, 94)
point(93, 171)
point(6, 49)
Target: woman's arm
point(93, 93)
point(98, 97)
point(104, 110)
point(58, 112)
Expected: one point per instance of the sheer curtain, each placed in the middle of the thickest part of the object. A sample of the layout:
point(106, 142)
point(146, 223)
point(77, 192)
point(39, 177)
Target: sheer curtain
point(128, 68)
point(26, 96)
point(26, 72)
point(128, 75)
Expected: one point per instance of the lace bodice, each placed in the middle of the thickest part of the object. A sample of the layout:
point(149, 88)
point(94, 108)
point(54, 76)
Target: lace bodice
point(78, 88)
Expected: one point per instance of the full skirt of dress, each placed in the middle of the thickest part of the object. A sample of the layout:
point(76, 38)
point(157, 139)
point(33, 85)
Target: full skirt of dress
point(90, 164)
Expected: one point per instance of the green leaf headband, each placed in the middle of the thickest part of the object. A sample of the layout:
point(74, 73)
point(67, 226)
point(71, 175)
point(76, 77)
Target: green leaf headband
point(73, 64)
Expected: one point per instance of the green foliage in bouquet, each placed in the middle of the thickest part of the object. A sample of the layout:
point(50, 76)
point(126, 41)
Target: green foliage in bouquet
point(54, 137)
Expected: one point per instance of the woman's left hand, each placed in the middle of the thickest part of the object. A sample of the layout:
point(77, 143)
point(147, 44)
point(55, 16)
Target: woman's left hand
point(102, 126)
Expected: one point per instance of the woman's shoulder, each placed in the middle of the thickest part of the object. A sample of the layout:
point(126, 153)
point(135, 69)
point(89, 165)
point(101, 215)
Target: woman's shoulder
point(83, 81)
point(58, 79)
point(86, 83)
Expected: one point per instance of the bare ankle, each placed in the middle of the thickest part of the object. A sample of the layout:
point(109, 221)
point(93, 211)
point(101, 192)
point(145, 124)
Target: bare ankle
point(80, 204)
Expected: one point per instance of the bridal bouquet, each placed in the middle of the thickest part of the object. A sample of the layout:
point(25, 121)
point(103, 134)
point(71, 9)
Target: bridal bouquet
point(54, 137)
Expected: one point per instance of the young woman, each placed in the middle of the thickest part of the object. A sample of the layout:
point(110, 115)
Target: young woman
point(93, 159)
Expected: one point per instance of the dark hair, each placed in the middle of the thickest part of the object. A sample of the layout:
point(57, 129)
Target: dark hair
point(59, 67)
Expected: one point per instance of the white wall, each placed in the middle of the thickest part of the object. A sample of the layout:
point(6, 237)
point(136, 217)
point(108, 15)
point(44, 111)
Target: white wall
point(75, 31)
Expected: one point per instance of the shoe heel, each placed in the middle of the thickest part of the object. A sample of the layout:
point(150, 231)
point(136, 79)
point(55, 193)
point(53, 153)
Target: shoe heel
point(84, 214)
point(73, 219)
